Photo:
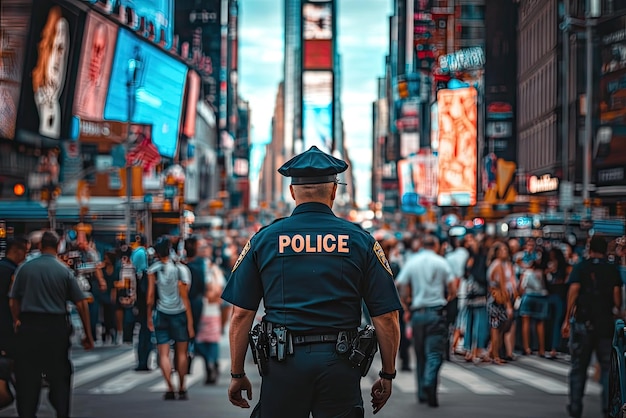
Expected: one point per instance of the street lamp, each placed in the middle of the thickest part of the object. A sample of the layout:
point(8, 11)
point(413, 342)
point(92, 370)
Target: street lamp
point(135, 67)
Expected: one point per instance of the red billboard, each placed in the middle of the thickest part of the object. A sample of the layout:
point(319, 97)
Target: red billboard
point(457, 114)
point(317, 35)
point(94, 69)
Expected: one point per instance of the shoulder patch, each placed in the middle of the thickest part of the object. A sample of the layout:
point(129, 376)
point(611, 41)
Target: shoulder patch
point(380, 253)
point(245, 250)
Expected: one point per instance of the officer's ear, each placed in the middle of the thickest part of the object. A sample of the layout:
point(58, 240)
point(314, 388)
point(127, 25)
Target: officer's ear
point(334, 193)
point(293, 195)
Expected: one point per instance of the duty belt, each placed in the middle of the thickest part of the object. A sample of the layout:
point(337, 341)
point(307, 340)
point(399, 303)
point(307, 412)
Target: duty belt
point(310, 339)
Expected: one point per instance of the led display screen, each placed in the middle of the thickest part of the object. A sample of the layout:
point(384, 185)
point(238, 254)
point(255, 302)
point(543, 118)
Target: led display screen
point(317, 33)
point(457, 113)
point(317, 109)
point(51, 62)
point(94, 69)
point(14, 21)
point(418, 174)
point(158, 94)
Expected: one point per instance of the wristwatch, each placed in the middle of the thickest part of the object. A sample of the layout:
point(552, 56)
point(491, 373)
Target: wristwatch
point(388, 376)
point(238, 375)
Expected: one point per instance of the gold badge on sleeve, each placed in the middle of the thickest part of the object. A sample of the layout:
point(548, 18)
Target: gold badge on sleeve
point(245, 250)
point(380, 253)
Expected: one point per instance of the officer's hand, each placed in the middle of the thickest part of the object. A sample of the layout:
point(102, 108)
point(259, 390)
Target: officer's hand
point(381, 391)
point(87, 343)
point(565, 329)
point(235, 389)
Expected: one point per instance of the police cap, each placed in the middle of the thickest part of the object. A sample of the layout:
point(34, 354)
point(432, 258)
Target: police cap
point(313, 167)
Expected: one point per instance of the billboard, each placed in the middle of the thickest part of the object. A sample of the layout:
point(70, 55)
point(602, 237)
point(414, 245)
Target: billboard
point(317, 110)
point(157, 16)
point(198, 28)
point(418, 174)
point(14, 21)
point(457, 112)
point(317, 34)
point(47, 90)
point(159, 88)
point(609, 148)
point(94, 70)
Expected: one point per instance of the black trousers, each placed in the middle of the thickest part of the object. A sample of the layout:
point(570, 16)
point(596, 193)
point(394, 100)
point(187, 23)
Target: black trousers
point(315, 380)
point(43, 345)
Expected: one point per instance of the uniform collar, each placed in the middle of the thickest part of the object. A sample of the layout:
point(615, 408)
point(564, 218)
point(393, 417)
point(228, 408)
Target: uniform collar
point(312, 207)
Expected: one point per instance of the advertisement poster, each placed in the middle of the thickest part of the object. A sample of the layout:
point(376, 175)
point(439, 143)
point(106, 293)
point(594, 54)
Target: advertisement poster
point(156, 97)
point(457, 147)
point(317, 110)
point(94, 70)
point(14, 23)
point(418, 174)
point(198, 27)
point(47, 90)
point(609, 148)
point(317, 33)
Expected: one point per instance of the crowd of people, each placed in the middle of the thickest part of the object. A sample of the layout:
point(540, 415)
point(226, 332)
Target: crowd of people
point(490, 300)
point(152, 297)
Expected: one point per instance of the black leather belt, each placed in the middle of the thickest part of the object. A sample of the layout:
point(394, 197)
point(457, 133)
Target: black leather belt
point(311, 339)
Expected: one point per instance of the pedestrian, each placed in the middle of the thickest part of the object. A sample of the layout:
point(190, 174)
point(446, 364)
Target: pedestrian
point(168, 287)
point(139, 260)
point(312, 269)
point(594, 301)
point(427, 281)
point(16, 251)
point(39, 297)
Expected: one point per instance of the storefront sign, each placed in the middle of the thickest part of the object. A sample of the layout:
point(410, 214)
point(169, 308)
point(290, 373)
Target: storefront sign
point(545, 183)
point(463, 59)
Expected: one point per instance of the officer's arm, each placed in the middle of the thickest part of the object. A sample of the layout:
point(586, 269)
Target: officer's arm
point(388, 335)
point(240, 325)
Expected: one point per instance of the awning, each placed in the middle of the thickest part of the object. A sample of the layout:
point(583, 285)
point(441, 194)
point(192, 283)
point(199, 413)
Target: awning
point(22, 210)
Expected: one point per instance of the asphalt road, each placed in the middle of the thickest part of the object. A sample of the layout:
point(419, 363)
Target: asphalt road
point(105, 385)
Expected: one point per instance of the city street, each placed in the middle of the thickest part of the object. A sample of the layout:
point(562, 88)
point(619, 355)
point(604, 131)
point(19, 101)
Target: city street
point(105, 385)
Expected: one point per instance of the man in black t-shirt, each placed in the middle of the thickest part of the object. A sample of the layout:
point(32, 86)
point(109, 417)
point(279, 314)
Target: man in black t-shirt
point(16, 253)
point(593, 303)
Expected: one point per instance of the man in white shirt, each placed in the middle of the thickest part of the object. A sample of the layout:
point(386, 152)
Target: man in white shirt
point(457, 258)
point(426, 284)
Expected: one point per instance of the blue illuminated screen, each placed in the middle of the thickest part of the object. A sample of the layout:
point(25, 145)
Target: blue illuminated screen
point(160, 83)
point(317, 113)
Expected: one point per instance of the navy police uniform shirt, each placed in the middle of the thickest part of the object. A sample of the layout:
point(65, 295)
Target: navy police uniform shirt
point(312, 270)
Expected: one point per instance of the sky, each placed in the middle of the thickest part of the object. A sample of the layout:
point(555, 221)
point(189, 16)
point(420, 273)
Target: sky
point(363, 27)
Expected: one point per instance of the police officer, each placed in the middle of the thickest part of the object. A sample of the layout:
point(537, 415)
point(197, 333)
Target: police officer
point(312, 270)
point(594, 300)
point(39, 294)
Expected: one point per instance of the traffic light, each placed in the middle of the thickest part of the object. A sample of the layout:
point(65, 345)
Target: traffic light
point(403, 89)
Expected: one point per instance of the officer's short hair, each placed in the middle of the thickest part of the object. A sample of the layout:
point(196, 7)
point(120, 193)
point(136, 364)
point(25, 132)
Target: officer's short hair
point(598, 244)
point(49, 240)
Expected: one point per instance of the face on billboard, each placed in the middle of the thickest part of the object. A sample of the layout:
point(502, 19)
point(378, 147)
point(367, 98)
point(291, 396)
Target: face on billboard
point(14, 23)
point(49, 64)
point(157, 96)
point(317, 113)
point(95, 67)
point(317, 21)
point(457, 147)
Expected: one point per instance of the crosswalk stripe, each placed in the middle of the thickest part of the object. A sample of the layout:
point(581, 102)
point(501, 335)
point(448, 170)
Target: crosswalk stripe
point(124, 382)
point(197, 374)
point(86, 359)
point(471, 381)
point(404, 382)
point(540, 382)
point(563, 370)
point(110, 366)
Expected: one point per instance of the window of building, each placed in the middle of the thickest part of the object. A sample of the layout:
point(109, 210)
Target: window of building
point(472, 12)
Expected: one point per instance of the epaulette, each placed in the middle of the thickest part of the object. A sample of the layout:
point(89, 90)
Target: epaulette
point(272, 223)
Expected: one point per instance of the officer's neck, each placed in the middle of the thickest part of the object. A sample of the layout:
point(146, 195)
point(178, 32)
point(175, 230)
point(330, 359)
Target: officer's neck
point(327, 202)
